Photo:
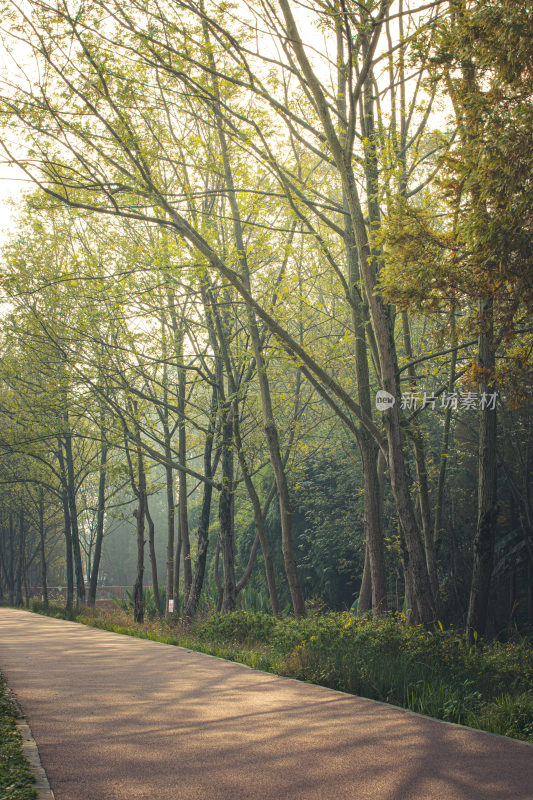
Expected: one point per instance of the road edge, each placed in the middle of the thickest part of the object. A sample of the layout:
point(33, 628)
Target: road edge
point(31, 752)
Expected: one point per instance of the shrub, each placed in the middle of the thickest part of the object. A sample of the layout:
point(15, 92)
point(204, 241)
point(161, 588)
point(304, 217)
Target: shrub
point(244, 627)
point(430, 672)
point(126, 603)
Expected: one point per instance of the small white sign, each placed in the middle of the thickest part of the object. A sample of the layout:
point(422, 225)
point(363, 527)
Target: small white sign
point(171, 606)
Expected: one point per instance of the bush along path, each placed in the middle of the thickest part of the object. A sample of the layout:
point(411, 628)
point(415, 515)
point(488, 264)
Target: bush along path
point(16, 778)
point(489, 686)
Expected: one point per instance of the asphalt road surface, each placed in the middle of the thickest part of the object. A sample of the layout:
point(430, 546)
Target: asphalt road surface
point(117, 718)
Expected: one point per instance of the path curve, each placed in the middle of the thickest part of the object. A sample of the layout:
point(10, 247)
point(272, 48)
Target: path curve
point(118, 718)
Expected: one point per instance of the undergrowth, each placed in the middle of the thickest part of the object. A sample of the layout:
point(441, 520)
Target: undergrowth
point(489, 686)
point(15, 777)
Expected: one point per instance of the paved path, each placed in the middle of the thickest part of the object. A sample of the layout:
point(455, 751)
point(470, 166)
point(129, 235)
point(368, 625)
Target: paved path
point(120, 718)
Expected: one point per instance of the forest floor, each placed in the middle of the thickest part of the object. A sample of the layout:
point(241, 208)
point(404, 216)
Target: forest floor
point(121, 717)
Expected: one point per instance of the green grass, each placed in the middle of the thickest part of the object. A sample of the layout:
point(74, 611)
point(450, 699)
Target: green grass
point(15, 777)
point(489, 687)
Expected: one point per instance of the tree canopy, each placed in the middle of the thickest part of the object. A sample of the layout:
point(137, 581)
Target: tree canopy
point(267, 305)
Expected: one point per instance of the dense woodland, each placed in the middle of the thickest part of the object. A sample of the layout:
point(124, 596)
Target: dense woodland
point(266, 332)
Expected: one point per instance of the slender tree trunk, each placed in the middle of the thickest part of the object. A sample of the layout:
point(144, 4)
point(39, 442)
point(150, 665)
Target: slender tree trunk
point(423, 606)
point(138, 600)
point(71, 493)
point(139, 514)
point(512, 598)
point(368, 448)
point(42, 540)
point(373, 530)
point(177, 567)
point(191, 606)
point(153, 558)
point(10, 574)
point(26, 585)
point(225, 514)
point(487, 497)
point(221, 345)
point(259, 520)
point(218, 581)
point(169, 485)
point(69, 567)
point(139, 489)
point(169, 472)
point(20, 560)
point(421, 475)
point(183, 517)
point(439, 502)
point(261, 539)
point(409, 599)
point(530, 592)
point(182, 485)
point(364, 604)
point(100, 519)
point(3, 563)
point(193, 599)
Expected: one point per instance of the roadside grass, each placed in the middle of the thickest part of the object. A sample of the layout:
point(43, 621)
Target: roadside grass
point(15, 777)
point(489, 686)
